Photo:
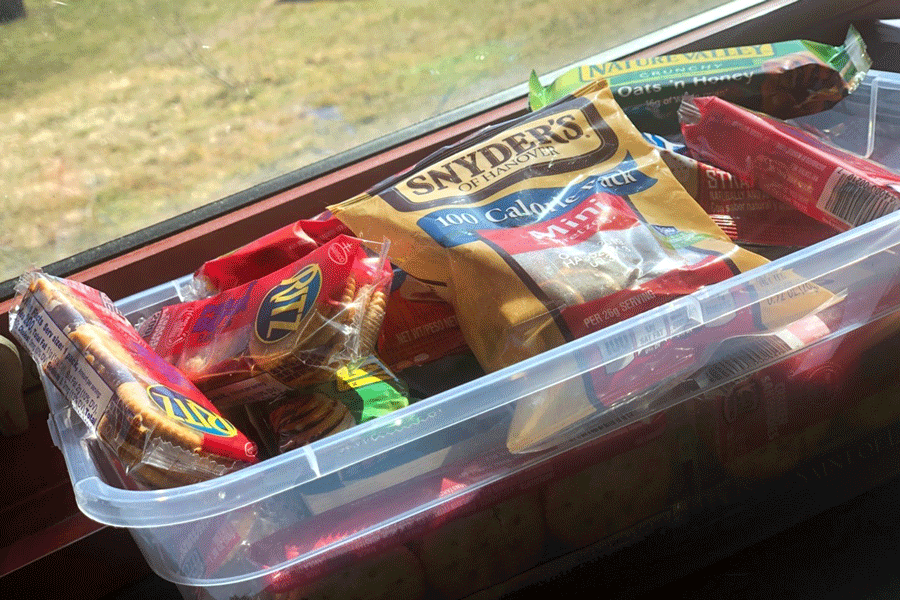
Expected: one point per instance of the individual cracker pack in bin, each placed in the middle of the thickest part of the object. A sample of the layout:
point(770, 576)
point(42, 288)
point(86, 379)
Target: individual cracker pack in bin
point(450, 551)
point(549, 227)
point(785, 79)
point(266, 254)
point(875, 401)
point(597, 489)
point(764, 424)
point(161, 427)
point(418, 326)
point(355, 394)
point(291, 328)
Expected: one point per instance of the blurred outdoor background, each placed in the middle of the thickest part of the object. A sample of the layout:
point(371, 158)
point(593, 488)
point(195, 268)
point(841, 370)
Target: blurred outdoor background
point(116, 115)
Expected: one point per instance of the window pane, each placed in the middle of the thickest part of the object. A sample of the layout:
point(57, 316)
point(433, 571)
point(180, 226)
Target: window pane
point(117, 115)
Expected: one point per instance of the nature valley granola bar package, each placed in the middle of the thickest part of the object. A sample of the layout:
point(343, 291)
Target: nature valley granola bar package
point(552, 226)
point(785, 79)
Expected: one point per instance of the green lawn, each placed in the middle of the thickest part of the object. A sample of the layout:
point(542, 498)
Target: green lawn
point(119, 114)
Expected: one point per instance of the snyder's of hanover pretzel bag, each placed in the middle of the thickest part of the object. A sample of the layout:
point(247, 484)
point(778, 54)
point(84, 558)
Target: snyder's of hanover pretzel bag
point(549, 227)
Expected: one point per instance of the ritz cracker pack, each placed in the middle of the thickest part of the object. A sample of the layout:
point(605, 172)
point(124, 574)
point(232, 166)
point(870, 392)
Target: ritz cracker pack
point(552, 226)
point(418, 326)
point(288, 329)
point(147, 413)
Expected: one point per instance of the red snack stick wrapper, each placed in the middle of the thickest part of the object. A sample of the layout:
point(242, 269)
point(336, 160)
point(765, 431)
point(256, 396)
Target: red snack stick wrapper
point(747, 214)
point(830, 185)
point(147, 413)
point(267, 254)
point(293, 327)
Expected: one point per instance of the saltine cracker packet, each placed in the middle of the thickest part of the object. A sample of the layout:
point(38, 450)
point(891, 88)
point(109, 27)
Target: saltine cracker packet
point(552, 226)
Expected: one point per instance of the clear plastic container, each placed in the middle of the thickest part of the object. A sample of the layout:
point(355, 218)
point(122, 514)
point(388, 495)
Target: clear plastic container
point(429, 500)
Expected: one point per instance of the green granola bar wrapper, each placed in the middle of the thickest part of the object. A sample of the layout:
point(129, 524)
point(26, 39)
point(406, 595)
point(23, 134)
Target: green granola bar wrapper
point(369, 390)
point(783, 79)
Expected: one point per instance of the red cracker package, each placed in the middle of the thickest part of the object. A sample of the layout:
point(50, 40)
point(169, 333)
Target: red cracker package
point(766, 423)
point(831, 185)
point(418, 325)
point(293, 327)
point(578, 497)
point(162, 428)
point(267, 254)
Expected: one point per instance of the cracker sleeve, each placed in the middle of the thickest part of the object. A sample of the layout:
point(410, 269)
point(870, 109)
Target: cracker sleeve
point(266, 254)
point(146, 412)
point(291, 328)
point(419, 326)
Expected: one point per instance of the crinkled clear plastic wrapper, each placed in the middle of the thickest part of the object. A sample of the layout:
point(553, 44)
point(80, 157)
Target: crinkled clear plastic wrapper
point(144, 411)
point(294, 327)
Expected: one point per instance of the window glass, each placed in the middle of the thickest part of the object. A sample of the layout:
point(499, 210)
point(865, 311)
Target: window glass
point(117, 115)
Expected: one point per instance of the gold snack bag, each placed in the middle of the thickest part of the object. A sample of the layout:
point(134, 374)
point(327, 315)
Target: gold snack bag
point(547, 228)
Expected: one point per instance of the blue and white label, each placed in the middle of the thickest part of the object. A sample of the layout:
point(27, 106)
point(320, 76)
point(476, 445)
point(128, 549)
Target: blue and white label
point(454, 226)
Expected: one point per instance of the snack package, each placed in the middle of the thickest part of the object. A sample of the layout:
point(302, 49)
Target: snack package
point(601, 488)
point(161, 427)
point(368, 389)
point(355, 394)
point(830, 185)
point(478, 551)
point(618, 482)
point(874, 402)
point(748, 215)
point(784, 79)
point(419, 326)
point(289, 329)
point(297, 419)
point(266, 254)
point(394, 574)
point(764, 424)
point(550, 227)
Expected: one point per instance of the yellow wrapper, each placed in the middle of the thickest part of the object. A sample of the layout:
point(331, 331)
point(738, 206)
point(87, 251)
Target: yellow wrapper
point(547, 228)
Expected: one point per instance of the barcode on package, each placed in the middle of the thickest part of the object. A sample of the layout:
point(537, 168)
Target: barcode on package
point(647, 333)
point(854, 200)
point(751, 356)
point(619, 350)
